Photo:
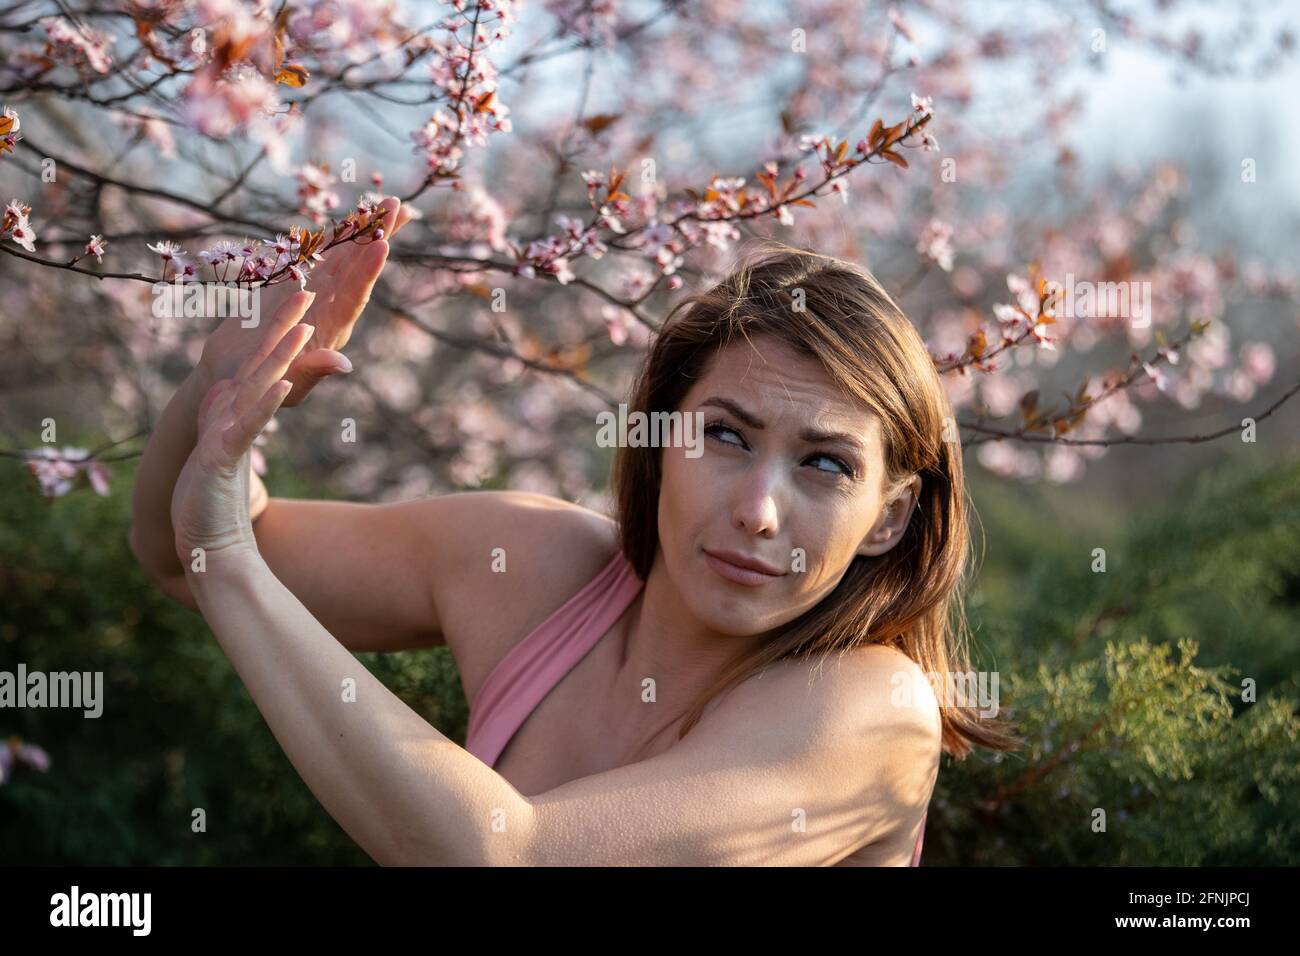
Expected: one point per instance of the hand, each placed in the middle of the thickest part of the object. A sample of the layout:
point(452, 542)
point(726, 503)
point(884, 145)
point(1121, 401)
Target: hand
point(342, 283)
point(209, 507)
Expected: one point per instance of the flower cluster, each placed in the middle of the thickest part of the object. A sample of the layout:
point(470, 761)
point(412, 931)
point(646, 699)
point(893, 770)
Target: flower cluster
point(552, 255)
point(315, 197)
point(77, 44)
point(1030, 314)
point(16, 226)
point(467, 80)
point(289, 255)
point(56, 472)
point(935, 244)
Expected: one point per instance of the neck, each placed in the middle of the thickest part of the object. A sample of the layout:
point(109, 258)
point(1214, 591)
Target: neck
point(662, 640)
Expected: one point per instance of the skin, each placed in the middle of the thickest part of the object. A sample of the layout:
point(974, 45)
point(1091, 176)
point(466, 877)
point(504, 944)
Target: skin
point(777, 772)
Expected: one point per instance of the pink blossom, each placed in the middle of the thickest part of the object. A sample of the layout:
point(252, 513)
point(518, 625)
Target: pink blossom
point(935, 244)
point(617, 323)
point(1158, 374)
point(16, 224)
point(96, 248)
point(55, 470)
point(79, 45)
point(316, 198)
point(169, 251)
point(222, 251)
point(218, 106)
point(1258, 362)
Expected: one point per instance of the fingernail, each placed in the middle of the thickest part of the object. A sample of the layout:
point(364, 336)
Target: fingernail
point(344, 365)
point(311, 330)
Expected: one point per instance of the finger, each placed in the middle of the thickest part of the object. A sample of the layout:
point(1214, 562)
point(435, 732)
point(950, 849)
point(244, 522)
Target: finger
point(311, 368)
point(273, 368)
point(403, 217)
point(238, 438)
point(354, 291)
point(320, 363)
point(209, 406)
point(286, 316)
point(391, 206)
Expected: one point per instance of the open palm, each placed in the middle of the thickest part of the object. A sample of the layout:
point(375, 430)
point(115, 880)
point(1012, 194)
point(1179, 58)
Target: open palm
point(341, 285)
point(209, 507)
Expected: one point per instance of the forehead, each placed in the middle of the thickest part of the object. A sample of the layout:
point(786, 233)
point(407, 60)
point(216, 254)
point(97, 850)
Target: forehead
point(782, 387)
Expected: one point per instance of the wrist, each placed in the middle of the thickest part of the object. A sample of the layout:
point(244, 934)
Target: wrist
point(219, 567)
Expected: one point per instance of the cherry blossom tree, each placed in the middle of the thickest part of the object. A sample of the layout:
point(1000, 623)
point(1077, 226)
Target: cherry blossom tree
point(574, 166)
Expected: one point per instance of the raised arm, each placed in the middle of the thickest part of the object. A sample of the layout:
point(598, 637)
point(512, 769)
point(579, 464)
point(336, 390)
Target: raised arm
point(341, 286)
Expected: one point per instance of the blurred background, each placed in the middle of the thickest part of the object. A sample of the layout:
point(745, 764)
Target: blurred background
point(1140, 142)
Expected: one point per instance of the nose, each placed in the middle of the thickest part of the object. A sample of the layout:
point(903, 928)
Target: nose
point(755, 508)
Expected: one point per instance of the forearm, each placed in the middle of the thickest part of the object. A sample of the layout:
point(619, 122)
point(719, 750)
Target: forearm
point(169, 445)
point(403, 791)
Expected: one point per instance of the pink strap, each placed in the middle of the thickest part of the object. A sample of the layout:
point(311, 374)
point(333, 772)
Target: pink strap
point(537, 663)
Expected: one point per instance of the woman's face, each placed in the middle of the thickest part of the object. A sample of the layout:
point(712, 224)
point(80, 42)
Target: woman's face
point(791, 478)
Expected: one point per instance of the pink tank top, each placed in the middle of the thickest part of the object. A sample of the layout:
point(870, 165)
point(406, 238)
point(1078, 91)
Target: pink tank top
point(537, 663)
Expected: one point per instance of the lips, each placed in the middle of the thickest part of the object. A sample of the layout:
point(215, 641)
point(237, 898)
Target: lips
point(741, 568)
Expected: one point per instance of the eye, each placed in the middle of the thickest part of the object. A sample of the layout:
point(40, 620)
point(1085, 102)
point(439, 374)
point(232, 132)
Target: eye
point(845, 468)
point(716, 428)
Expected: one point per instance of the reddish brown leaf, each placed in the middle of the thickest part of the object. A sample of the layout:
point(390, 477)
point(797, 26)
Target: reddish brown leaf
point(292, 75)
point(894, 158)
point(876, 135)
point(601, 121)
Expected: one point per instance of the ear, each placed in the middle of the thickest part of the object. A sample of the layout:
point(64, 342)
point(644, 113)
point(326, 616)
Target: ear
point(889, 527)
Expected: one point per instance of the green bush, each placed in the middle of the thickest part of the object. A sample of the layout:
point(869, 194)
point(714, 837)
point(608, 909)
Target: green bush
point(178, 732)
point(1126, 685)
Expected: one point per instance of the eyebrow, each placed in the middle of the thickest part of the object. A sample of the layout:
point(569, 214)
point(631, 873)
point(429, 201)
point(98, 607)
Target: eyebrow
point(808, 434)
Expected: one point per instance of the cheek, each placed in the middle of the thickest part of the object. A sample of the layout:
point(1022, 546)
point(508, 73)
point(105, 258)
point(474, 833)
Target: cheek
point(830, 533)
point(692, 508)
point(679, 493)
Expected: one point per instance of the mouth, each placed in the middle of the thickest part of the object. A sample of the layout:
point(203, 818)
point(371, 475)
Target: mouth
point(741, 569)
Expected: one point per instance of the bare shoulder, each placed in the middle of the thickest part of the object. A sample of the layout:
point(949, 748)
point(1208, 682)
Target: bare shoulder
point(505, 560)
point(858, 733)
point(874, 693)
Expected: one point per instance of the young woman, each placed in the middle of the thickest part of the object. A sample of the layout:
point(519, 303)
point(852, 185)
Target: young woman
point(737, 670)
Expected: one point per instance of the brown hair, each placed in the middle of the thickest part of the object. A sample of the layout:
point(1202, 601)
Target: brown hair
point(910, 597)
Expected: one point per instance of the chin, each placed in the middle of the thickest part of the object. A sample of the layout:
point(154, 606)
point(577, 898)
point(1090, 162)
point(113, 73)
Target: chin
point(722, 607)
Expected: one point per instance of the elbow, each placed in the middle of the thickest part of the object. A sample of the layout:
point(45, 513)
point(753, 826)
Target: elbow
point(507, 838)
point(170, 583)
point(143, 557)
